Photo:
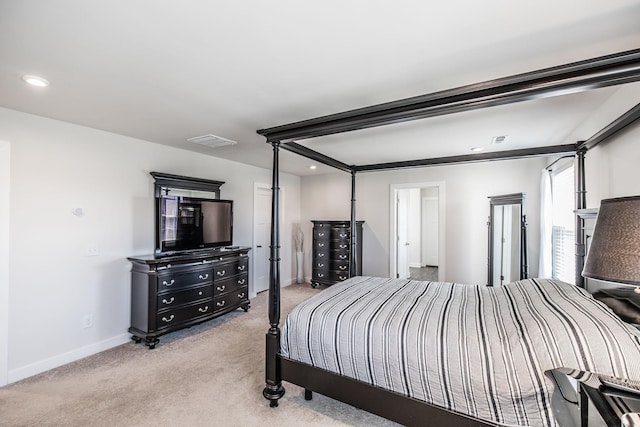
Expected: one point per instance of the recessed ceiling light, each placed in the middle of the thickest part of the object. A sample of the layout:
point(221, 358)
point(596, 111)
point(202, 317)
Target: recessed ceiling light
point(476, 149)
point(313, 167)
point(499, 139)
point(35, 81)
point(211, 141)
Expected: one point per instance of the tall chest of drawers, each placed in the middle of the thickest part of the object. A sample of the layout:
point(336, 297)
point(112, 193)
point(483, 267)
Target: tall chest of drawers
point(176, 292)
point(332, 250)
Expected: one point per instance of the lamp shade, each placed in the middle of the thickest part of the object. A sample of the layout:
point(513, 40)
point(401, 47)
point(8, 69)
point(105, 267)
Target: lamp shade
point(614, 254)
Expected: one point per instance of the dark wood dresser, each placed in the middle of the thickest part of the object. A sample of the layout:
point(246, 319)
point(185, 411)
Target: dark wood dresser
point(174, 292)
point(331, 255)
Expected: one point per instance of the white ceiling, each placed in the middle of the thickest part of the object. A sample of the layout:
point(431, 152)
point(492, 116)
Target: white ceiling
point(165, 71)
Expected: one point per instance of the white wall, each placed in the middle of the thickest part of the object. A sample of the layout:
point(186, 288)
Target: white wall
point(466, 210)
point(612, 168)
point(5, 167)
point(57, 166)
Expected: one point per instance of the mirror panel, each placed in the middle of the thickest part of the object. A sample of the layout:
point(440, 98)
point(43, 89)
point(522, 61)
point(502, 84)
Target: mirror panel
point(507, 239)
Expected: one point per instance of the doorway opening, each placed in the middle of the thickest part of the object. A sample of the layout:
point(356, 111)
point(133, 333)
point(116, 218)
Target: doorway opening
point(417, 231)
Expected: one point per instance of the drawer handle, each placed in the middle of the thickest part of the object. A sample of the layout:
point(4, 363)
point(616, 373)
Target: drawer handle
point(221, 273)
point(342, 277)
point(241, 295)
point(203, 310)
point(164, 300)
point(241, 281)
point(164, 319)
point(343, 246)
point(320, 255)
point(342, 267)
point(221, 288)
point(205, 277)
point(221, 304)
point(343, 257)
point(321, 234)
point(320, 265)
point(321, 245)
point(165, 283)
point(320, 274)
point(342, 235)
point(242, 267)
point(200, 293)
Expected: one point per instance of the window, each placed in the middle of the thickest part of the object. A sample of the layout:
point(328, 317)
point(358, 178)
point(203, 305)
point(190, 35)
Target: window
point(563, 229)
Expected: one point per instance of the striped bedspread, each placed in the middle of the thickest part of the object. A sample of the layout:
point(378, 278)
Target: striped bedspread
point(478, 350)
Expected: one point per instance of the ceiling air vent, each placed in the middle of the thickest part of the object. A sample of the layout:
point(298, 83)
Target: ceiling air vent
point(499, 139)
point(211, 141)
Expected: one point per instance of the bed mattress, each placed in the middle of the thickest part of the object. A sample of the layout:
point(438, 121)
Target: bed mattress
point(479, 350)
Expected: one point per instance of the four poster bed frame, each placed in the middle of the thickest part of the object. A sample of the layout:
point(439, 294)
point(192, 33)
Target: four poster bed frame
point(594, 73)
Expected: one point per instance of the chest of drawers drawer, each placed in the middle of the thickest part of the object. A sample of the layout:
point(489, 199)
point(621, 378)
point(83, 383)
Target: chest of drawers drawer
point(175, 279)
point(231, 299)
point(171, 317)
point(175, 298)
point(230, 284)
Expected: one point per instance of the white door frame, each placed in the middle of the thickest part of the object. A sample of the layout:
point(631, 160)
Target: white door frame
point(256, 187)
point(393, 237)
point(5, 229)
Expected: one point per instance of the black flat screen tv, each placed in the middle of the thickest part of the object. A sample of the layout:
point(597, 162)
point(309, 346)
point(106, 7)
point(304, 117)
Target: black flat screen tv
point(186, 224)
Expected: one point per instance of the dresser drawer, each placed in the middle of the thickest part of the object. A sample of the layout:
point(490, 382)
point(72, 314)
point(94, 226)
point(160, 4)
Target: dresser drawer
point(173, 299)
point(175, 316)
point(231, 284)
point(172, 280)
point(231, 299)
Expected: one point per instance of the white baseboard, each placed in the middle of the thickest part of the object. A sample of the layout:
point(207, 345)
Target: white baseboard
point(68, 357)
point(415, 264)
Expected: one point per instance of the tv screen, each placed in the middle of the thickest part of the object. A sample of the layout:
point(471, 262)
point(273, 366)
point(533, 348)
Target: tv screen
point(189, 223)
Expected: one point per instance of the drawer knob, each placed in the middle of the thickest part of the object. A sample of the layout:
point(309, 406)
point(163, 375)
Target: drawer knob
point(342, 267)
point(343, 246)
point(164, 300)
point(221, 273)
point(203, 310)
point(342, 277)
point(167, 320)
point(204, 277)
point(320, 265)
point(320, 255)
point(343, 235)
point(241, 281)
point(320, 274)
point(200, 293)
point(320, 245)
point(242, 267)
point(165, 283)
point(343, 257)
point(221, 288)
point(221, 303)
point(241, 295)
point(321, 234)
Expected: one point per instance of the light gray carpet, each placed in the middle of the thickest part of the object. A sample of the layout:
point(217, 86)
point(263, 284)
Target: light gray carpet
point(209, 375)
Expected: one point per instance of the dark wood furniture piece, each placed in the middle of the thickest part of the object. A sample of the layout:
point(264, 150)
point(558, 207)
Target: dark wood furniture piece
point(604, 399)
point(615, 69)
point(176, 292)
point(332, 249)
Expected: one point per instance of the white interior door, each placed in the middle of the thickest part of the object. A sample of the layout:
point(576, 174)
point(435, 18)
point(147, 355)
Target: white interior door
point(261, 237)
point(402, 248)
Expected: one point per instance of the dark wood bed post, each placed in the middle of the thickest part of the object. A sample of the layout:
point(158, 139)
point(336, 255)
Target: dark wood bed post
point(354, 233)
point(273, 389)
point(581, 203)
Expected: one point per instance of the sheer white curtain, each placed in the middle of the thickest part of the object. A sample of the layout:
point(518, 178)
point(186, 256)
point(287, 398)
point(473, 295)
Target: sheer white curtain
point(546, 225)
